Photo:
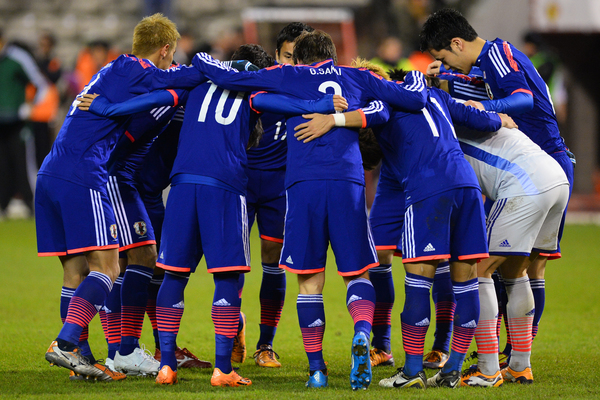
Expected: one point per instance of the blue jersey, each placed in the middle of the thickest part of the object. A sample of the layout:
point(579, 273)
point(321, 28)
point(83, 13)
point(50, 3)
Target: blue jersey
point(335, 155)
point(272, 149)
point(213, 139)
point(422, 150)
point(127, 159)
point(506, 71)
point(85, 141)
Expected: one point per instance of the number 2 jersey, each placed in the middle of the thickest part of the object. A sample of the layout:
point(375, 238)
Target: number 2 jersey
point(335, 155)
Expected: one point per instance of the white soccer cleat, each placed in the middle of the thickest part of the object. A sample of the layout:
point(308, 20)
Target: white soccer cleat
point(138, 363)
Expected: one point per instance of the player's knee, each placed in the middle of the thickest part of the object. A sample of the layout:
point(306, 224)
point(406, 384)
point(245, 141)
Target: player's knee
point(270, 251)
point(143, 255)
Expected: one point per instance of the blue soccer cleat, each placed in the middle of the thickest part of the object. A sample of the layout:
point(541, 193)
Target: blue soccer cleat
point(318, 379)
point(360, 375)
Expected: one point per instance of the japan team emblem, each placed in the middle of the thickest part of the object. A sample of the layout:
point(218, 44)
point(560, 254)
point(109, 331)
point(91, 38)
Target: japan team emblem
point(113, 231)
point(489, 91)
point(140, 228)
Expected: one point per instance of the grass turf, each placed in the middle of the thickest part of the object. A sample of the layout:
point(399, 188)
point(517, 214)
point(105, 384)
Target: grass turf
point(564, 353)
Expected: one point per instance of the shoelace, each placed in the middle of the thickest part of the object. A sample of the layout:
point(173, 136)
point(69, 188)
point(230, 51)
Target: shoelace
point(147, 354)
point(472, 356)
point(267, 349)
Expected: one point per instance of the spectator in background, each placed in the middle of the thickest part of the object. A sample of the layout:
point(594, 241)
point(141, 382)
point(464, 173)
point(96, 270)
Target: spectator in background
point(390, 55)
point(227, 43)
point(550, 69)
point(185, 48)
point(89, 61)
point(17, 69)
point(44, 113)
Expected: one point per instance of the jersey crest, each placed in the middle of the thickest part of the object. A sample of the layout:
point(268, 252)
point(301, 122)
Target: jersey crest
point(113, 231)
point(140, 228)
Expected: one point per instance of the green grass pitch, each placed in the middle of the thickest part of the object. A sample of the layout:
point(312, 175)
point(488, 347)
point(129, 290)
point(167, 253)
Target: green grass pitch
point(566, 353)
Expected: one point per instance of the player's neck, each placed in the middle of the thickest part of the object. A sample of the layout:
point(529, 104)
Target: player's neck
point(474, 49)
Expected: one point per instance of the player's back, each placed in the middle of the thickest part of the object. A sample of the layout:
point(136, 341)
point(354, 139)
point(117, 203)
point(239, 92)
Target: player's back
point(423, 151)
point(84, 142)
point(271, 152)
point(213, 139)
point(508, 164)
point(502, 60)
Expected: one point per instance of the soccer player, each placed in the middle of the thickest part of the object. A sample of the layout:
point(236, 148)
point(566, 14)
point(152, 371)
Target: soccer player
point(325, 190)
point(515, 88)
point(266, 203)
point(74, 219)
point(447, 201)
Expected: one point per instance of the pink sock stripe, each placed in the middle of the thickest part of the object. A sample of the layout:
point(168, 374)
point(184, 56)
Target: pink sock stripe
point(132, 320)
point(169, 319)
point(499, 324)
point(362, 310)
point(534, 331)
point(485, 337)
point(113, 323)
point(444, 311)
point(85, 334)
point(313, 338)
point(413, 338)
point(226, 320)
point(151, 311)
point(382, 314)
point(462, 338)
point(520, 329)
point(80, 311)
point(270, 312)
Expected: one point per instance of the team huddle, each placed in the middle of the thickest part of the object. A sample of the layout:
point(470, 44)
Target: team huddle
point(286, 141)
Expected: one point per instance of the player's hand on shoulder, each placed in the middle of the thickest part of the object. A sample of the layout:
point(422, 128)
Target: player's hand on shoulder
point(317, 126)
point(339, 103)
point(434, 68)
point(475, 104)
point(507, 122)
point(85, 101)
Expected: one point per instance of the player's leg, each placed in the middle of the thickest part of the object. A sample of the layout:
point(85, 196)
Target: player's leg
point(223, 222)
point(536, 272)
point(112, 315)
point(354, 249)
point(443, 299)
point(304, 253)
point(383, 283)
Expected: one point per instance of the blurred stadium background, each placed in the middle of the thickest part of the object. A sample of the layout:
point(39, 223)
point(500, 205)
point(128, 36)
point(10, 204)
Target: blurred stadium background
point(84, 35)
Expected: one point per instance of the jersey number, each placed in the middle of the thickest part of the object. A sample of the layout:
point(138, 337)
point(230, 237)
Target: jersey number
point(220, 106)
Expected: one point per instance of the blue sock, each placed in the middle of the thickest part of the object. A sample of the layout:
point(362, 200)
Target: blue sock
point(65, 298)
point(225, 311)
point(169, 310)
point(134, 296)
point(538, 287)
point(383, 283)
point(112, 307)
point(443, 297)
point(272, 297)
point(360, 300)
point(153, 289)
point(415, 320)
point(311, 316)
point(466, 318)
point(84, 305)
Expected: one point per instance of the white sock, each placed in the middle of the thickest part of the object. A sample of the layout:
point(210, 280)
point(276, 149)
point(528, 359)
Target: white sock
point(520, 310)
point(485, 335)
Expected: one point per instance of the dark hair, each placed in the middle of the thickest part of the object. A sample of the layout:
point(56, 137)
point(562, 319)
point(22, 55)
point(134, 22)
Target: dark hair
point(255, 135)
point(442, 26)
point(370, 150)
point(255, 54)
point(399, 75)
point(290, 32)
point(312, 47)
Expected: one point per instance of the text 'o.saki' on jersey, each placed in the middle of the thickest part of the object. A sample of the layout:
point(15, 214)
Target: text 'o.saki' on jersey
point(506, 71)
point(85, 141)
point(213, 139)
point(335, 155)
point(422, 149)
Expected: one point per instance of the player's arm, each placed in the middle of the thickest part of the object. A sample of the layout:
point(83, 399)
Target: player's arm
point(476, 119)
point(101, 106)
point(282, 104)
point(410, 95)
point(375, 113)
point(229, 78)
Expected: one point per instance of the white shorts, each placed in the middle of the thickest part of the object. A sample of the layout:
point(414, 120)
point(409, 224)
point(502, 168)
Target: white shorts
point(522, 224)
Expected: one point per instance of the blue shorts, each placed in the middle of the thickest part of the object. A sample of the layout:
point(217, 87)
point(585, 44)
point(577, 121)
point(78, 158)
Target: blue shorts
point(320, 212)
point(134, 224)
point(203, 220)
point(387, 215)
point(71, 218)
point(266, 202)
point(448, 225)
point(156, 212)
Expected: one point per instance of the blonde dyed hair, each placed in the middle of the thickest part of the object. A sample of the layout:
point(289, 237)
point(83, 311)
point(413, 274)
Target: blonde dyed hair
point(152, 33)
point(364, 63)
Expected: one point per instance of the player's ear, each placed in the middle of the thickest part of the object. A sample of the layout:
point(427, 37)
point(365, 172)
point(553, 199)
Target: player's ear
point(457, 44)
